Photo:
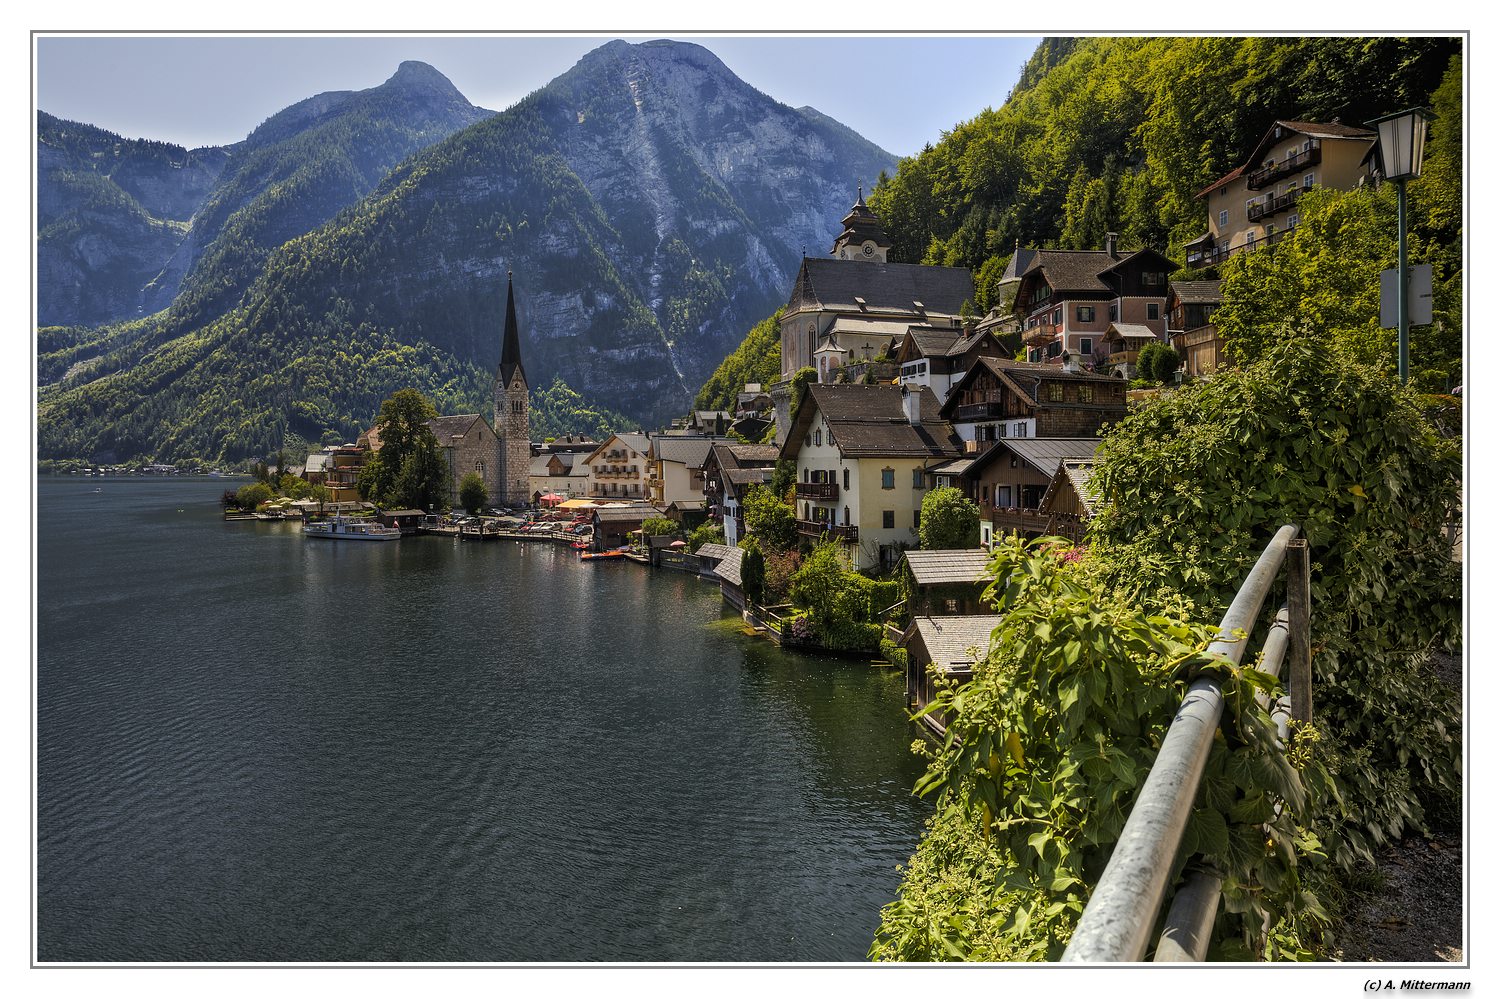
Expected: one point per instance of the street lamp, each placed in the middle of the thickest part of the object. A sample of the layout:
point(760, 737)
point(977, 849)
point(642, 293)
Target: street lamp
point(1400, 138)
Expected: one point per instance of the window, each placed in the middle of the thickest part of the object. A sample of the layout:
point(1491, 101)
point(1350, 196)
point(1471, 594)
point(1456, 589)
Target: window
point(807, 475)
point(818, 437)
point(1250, 204)
point(1114, 312)
point(1085, 393)
point(1270, 229)
point(1085, 313)
point(1002, 496)
point(1223, 217)
point(1249, 240)
point(1054, 348)
point(1086, 345)
point(1307, 181)
point(916, 520)
point(1020, 430)
point(846, 516)
point(1292, 220)
point(1003, 428)
point(887, 478)
point(1054, 392)
point(1151, 278)
point(916, 478)
point(1057, 317)
point(887, 519)
point(1153, 311)
point(846, 484)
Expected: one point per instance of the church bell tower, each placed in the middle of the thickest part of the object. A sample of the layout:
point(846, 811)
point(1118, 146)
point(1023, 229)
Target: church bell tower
point(512, 418)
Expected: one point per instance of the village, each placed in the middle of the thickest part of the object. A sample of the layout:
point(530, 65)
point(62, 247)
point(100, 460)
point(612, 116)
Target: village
point(892, 400)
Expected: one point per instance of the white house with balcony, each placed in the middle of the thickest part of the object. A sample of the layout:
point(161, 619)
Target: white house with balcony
point(620, 468)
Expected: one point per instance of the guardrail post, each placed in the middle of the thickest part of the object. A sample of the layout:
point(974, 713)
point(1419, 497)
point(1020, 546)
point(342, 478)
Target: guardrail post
point(1299, 627)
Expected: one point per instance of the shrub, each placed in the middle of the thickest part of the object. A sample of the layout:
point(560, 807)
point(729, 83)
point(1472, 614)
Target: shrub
point(706, 534)
point(753, 571)
point(253, 495)
point(949, 520)
point(473, 496)
point(656, 527)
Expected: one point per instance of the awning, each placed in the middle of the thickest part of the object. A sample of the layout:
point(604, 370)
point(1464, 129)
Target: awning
point(578, 504)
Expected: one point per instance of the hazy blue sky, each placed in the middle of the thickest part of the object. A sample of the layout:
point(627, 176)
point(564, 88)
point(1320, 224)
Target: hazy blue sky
point(898, 92)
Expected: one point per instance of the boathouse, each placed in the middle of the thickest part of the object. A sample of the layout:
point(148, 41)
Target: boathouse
point(946, 648)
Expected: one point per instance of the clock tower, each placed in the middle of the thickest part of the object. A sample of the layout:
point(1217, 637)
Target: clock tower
point(863, 237)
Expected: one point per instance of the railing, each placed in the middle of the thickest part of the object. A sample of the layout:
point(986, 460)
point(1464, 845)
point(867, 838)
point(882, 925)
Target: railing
point(1208, 258)
point(1269, 174)
point(842, 532)
point(1123, 357)
point(1277, 204)
point(1116, 924)
point(1014, 518)
point(1040, 335)
point(818, 490)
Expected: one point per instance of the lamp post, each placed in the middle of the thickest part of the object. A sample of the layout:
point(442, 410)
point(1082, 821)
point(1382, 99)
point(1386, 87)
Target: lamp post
point(1400, 137)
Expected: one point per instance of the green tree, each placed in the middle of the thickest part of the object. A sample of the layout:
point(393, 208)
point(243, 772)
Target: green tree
point(753, 570)
point(656, 527)
point(408, 470)
point(253, 495)
point(949, 520)
point(768, 519)
point(819, 583)
point(705, 534)
point(473, 496)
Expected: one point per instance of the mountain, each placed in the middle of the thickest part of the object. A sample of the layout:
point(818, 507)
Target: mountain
point(111, 212)
point(651, 205)
point(125, 225)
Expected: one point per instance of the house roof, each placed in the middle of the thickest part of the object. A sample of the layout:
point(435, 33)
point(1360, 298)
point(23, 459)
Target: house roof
point(445, 428)
point(317, 462)
point(862, 224)
point(935, 568)
point(758, 475)
point(728, 568)
point(1041, 453)
point(1197, 292)
point(1311, 129)
point(825, 283)
point(953, 643)
point(539, 463)
point(744, 455)
point(1024, 378)
point(1128, 331)
point(714, 551)
point(627, 514)
point(1072, 270)
point(689, 451)
point(1078, 473)
point(870, 421)
point(510, 347)
point(640, 443)
point(1231, 175)
point(957, 466)
point(1020, 260)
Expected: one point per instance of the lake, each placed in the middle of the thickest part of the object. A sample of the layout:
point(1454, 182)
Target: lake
point(255, 746)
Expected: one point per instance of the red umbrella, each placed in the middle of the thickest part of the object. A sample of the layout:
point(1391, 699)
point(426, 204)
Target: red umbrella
point(553, 498)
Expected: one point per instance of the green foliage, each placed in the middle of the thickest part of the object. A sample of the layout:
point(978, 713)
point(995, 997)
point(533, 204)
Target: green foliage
point(473, 495)
point(753, 571)
point(1121, 133)
point(949, 520)
point(408, 471)
point(656, 527)
point(770, 520)
point(1047, 749)
point(819, 584)
point(1193, 484)
point(558, 410)
point(797, 386)
point(757, 359)
point(704, 534)
point(1157, 363)
point(253, 495)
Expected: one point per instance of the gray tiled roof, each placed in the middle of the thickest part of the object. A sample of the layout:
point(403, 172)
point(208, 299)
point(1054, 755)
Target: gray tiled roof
point(728, 568)
point(445, 428)
point(714, 551)
point(1073, 270)
point(870, 421)
point(934, 568)
point(835, 284)
point(953, 643)
point(634, 512)
point(1045, 453)
point(689, 451)
point(1198, 292)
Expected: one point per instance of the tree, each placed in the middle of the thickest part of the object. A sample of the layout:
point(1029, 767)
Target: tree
point(253, 495)
point(472, 494)
point(705, 534)
point(819, 584)
point(770, 520)
point(1158, 362)
point(752, 570)
point(949, 520)
point(408, 470)
point(656, 527)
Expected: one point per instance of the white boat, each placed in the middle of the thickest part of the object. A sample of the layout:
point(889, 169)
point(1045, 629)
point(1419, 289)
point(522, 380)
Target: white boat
point(347, 529)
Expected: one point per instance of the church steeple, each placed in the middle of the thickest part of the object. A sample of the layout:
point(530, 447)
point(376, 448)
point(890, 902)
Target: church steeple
point(510, 349)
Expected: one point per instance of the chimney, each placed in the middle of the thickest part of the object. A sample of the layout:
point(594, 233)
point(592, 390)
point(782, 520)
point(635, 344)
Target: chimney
point(1109, 243)
point(911, 402)
point(1070, 363)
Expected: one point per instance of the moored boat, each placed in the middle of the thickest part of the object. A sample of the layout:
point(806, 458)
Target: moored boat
point(347, 529)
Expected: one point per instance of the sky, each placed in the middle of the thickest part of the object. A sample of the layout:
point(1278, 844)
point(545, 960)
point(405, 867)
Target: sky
point(898, 92)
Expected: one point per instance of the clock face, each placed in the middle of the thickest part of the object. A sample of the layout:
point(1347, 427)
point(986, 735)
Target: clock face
point(869, 249)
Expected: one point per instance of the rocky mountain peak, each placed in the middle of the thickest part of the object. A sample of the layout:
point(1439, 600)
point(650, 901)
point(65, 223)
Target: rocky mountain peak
point(419, 76)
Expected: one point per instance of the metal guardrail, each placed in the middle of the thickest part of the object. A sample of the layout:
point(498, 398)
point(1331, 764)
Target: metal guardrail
point(1122, 911)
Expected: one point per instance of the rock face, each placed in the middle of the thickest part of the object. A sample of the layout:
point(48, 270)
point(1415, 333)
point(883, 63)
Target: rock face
point(651, 205)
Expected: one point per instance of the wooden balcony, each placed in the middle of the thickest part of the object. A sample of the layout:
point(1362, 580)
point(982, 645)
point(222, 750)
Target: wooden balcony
point(818, 490)
point(1041, 335)
point(1008, 520)
point(1270, 174)
point(841, 532)
point(1123, 357)
point(1207, 258)
point(1273, 206)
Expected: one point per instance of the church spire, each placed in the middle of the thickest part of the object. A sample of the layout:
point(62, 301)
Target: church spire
point(510, 349)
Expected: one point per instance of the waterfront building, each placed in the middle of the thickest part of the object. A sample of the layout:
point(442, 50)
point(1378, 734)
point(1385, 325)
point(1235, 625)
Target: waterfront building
point(561, 472)
point(946, 647)
point(620, 467)
point(676, 476)
point(945, 582)
point(863, 454)
point(1010, 479)
point(1190, 310)
point(613, 525)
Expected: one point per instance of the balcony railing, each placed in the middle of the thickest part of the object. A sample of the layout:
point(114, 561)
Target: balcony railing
point(818, 490)
point(843, 532)
point(1007, 519)
point(1124, 357)
point(1273, 206)
point(1040, 335)
point(1270, 174)
point(1207, 258)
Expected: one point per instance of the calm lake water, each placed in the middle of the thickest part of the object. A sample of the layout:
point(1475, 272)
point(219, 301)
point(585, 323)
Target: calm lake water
point(254, 746)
